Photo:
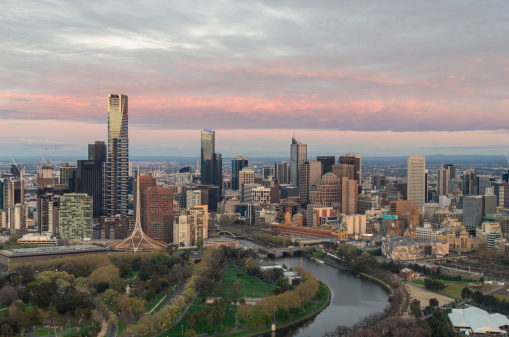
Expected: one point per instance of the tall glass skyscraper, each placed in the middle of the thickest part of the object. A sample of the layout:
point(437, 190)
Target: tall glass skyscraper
point(238, 163)
point(116, 170)
point(299, 155)
point(208, 148)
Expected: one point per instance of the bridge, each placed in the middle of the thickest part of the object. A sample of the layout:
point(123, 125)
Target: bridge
point(231, 234)
point(285, 251)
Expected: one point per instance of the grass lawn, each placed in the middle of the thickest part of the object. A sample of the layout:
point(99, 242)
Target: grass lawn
point(83, 332)
point(502, 297)
point(150, 304)
point(120, 329)
point(44, 332)
point(228, 321)
point(421, 282)
point(453, 291)
point(251, 286)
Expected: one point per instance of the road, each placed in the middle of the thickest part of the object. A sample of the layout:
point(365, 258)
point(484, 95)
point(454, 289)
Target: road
point(175, 294)
point(113, 330)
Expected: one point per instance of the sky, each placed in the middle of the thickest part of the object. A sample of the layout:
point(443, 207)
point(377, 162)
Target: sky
point(372, 77)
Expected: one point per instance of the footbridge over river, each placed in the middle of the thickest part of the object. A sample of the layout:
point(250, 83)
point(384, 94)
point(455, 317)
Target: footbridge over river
point(285, 251)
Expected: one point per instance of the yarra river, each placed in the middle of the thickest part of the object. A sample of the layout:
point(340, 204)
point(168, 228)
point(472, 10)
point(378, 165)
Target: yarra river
point(352, 298)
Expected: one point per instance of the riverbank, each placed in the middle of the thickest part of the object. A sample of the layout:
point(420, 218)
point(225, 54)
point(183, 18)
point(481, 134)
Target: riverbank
point(324, 303)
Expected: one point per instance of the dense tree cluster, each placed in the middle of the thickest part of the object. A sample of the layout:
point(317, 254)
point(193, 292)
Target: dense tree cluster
point(275, 240)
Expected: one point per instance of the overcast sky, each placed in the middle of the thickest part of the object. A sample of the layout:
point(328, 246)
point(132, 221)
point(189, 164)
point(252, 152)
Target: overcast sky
point(372, 77)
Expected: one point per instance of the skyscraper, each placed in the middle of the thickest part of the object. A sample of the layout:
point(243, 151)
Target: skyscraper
point(89, 175)
point(217, 170)
point(208, 148)
point(327, 162)
point(160, 213)
point(355, 160)
point(442, 181)
point(416, 188)
point(76, 216)
point(283, 172)
point(470, 182)
point(298, 155)
point(238, 163)
point(310, 173)
point(349, 194)
point(116, 170)
point(145, 183)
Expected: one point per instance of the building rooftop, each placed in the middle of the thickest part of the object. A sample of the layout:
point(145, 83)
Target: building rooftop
point(478, 320)
point(50, 250)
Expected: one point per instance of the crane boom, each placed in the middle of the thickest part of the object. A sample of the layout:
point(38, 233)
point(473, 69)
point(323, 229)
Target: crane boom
point(22, 187)
point(52, 154)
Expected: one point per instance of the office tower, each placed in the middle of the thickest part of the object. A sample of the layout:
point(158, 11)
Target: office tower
point(193, 198)
point(246, 176)
point(208, 148)
point(238, 163)
point(89, 175)
point(116, 227)
point(416, 185)
point(268, 171)
point(160, 213)
point(76, 216)
point(349, 193)
point(426, 194)
point(68, 176)
point(97, 152)
point(470, 182)
point(217, 161)
point(483, 182)
point(15, 171)
point(452, 170)
point(310, 173)
point(116, 170)
point(327, 191)
point(145, 183)
point(327, 162)
point(442, 181)
point(298, 155)
point(501, 191)
point(282, 171)
point(355, 160)
point(475, 207)
point(344, 170)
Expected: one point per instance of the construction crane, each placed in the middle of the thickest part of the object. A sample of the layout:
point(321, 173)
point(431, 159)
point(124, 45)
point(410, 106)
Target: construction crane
point(21, 173)
point(51, 159)
point(39, 168)
point(507, 158)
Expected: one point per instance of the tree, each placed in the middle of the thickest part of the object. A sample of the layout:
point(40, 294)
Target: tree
point(80, 315)
point(8, 294)
point(108, 274)
point(36, 315)
point(42, 294)
point(6, 330)
point(235, 291)
point(466, 293)
point(415, 308)
point(269, 275)
point(433, 303)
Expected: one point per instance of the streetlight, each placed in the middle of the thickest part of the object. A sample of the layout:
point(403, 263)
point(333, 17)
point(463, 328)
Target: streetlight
point(182, 326)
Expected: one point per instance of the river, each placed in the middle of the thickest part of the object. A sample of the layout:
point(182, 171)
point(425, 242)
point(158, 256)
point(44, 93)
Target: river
point(352, 298)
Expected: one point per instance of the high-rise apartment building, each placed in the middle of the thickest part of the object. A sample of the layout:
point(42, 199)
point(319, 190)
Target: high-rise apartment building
point(355, 160)
point(282, 171)
point(238, 163)
point(208, 148)
point(298, 155)
point(145, 183)
point(116, 169)
point(310, 173)
point(76, 216)
point(349, 194)
point(416, 186)
point(327, 162)
point(159, 213)
point(268, 171)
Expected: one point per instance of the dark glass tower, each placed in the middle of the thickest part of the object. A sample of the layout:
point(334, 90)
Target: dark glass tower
point(217, 159)
point(238, 163)
point(89, 175)
point(327, 162)
point(208, 148)
point(116, 170)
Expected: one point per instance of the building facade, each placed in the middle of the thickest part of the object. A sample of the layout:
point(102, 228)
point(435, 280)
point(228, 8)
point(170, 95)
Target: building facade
point(76, 216)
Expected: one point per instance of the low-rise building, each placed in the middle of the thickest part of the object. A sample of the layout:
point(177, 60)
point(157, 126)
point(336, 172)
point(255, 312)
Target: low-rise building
point(218, 242)
point(399, 248)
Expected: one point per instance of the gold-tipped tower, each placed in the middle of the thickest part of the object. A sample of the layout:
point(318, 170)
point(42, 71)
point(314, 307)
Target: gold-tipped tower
point(137, 241)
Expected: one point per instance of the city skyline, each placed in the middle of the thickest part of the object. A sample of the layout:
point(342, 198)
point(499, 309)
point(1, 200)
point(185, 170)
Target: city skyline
point(367, 78)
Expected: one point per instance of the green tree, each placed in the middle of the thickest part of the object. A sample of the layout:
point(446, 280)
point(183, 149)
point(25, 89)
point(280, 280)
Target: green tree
point(415, 308)
point(433, 303)
point(466, 293)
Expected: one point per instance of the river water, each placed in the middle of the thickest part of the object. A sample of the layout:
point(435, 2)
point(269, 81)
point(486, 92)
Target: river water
point(352, 298)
